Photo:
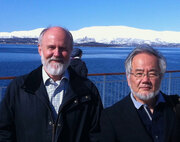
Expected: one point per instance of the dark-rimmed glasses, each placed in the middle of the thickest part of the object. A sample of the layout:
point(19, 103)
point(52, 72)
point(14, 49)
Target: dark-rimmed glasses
point(151, 75)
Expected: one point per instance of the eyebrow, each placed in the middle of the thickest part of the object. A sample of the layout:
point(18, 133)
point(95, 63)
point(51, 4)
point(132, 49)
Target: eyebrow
point(151, 70)
point(139, 69)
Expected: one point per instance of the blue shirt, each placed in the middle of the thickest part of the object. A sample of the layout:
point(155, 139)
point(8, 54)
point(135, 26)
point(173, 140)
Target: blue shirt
point(153, 122)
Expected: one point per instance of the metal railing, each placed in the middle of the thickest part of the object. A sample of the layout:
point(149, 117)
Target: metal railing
point(113, 86)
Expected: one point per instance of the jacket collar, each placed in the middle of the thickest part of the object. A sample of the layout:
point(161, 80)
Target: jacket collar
point(160, 99)
point(34, 80)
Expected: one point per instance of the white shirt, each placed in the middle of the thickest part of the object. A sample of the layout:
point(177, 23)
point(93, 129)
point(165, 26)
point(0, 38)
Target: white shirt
point(55, 89)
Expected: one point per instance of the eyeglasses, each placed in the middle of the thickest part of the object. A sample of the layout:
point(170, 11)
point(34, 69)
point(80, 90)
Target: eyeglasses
point(151, 75)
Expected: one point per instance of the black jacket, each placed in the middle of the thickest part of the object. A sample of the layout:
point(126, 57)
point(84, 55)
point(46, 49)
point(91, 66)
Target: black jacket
point(26, 115)
point(121, 123)
point(79, 67)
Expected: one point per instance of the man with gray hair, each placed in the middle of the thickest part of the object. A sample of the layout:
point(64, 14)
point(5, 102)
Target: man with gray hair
point(52, 103)
point(146, 114)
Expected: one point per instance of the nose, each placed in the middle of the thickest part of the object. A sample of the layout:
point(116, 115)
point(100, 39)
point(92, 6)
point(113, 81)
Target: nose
point(56, 52)
point(145, 78)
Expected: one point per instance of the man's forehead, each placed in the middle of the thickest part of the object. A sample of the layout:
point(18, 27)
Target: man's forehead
point(56, 32)
point(144, 54)
point(56, 35)
point(145, 61)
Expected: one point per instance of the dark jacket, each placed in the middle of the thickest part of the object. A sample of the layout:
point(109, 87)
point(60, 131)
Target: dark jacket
point(79, 67)
point(26, 115)
point(121, 123)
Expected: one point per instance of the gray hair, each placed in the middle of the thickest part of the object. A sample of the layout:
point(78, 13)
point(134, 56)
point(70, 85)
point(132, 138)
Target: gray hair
point(148, 50)
point(46, 29)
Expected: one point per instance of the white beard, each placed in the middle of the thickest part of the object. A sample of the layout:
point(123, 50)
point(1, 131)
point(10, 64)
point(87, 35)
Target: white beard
point(145, 97)
point(54, 68)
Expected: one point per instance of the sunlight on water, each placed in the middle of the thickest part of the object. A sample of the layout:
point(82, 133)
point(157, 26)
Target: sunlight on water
point(21, 59)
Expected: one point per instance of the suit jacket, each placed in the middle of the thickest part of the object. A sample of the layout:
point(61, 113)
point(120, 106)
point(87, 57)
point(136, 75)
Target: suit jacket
point(26, 115)
point(121, 123)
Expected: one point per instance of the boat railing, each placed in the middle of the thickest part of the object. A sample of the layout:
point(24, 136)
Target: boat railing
point(113, 86)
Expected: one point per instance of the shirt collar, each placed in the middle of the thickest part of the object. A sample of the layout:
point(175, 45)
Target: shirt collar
point(47, 79)
point(138, 104)
point(76, 57)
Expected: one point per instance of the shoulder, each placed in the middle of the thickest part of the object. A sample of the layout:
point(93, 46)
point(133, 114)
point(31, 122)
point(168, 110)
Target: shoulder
point(172, 99)
point(77, 62)
point(74, 61)
point(119, 107)
point(28, 80)
point(18, 81)
point(13, 89)
point(82, 85)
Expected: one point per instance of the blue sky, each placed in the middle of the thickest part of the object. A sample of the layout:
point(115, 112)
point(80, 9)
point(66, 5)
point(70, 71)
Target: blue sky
point(160, 15)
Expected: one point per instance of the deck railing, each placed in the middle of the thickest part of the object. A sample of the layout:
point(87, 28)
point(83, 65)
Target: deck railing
point(113, 86)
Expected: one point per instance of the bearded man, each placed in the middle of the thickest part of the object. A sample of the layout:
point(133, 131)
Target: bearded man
point(52, 103)
point(146, 114)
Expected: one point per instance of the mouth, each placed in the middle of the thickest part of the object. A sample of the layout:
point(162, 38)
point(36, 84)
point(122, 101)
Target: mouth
point(146, 88)
point(56, 61)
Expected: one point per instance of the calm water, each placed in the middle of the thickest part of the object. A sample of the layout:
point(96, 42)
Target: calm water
point(16, 60)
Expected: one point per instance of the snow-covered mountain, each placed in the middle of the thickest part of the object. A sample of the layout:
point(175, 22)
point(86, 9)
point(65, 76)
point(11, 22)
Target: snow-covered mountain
point(125, 35)
point(119, 35)
point(21, 34)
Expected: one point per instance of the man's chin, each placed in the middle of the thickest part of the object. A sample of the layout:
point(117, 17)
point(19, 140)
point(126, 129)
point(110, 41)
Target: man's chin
point(54, 67)
point(144, 95)
point(55, 70)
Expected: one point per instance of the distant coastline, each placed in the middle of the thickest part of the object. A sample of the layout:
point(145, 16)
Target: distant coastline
point(102, 36)
point(34, 41)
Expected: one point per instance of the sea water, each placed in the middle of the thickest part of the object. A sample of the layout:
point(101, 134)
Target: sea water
point(17, 60)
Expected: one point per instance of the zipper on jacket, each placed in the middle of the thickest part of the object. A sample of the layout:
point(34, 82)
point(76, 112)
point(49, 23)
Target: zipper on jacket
point(52, 124)
point(52, 121)
point(55, 124)
point(53, 132)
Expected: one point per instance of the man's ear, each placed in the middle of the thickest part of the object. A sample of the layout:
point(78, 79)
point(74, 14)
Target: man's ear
point(39, 49)
point(128, 80)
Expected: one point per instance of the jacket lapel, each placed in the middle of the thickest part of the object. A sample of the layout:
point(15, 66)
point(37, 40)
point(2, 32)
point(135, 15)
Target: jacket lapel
point(76, 90)
point(34, 85)
point(134, 120)
point(42, 94)
point(67, 97)
point(169, 118)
